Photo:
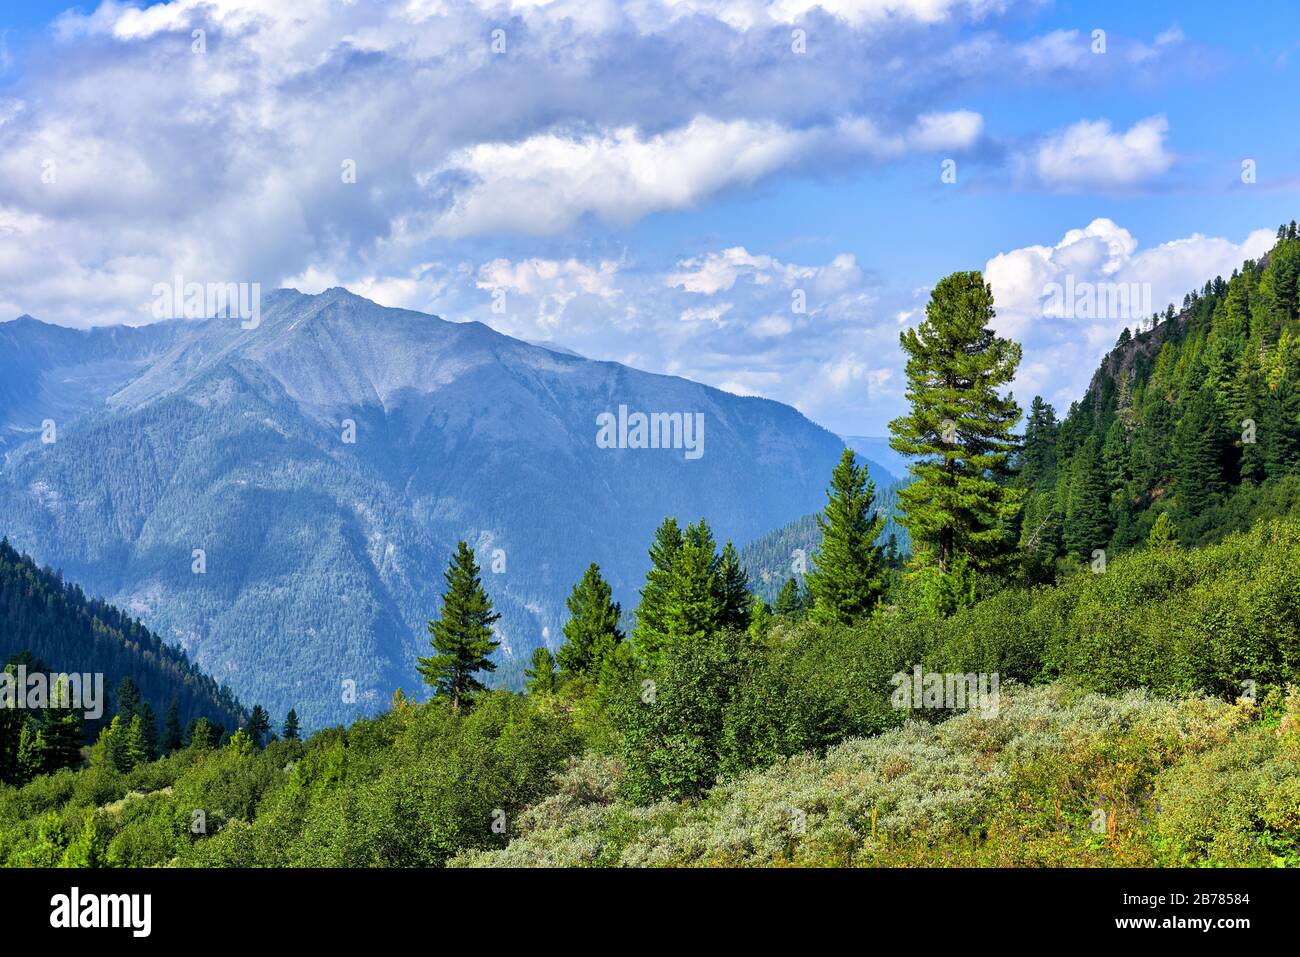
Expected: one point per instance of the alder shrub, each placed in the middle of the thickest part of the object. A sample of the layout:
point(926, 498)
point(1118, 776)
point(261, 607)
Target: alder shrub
point(1024, 788)
point(407, 788)
point(1224, 619)
point(721, 704)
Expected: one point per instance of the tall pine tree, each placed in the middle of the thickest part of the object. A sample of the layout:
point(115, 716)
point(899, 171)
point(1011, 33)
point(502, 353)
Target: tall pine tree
point(790, 600)
point(1038, 459)
point(1087, 517)
point(1198, 449)
point(959, 429)
point(462, 638)
point(540, 676)
point(694, 602)
point(733, 585)
point(651, 631)
point(172, 738)
point(592, 628)
point(849, 576)
point(259, 723)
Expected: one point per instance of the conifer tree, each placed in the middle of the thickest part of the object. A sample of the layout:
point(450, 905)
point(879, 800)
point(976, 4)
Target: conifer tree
point(291, 724)
point(259, 723)
point(849, 577)
point(1087, 518)
point(31, 756)
point(1041, 529)
point(462, 638)
point(540, 676)
point(1038, 459)
point(651, 631)
point(959, 428)
point(110, 748)
point(790, 600)
point(172, 739)
point(733, 585)
point(133, 750)
point(149, 721)
point(1164, 533)
point(1280, 430)
point(201, 734)
point(1115, 456)
point(693, 607)
point(63, 734)
point(592, 626)
point(1198, 450)
point(127, 699)
point(1253, 438)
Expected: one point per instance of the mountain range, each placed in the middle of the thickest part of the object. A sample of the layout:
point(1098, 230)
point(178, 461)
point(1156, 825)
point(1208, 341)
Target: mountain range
point(281, 501)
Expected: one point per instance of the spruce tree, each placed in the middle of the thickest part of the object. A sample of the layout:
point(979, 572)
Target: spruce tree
point(1041, 529)
point(733, 585)
point(651, 631)
point(462, 638)
point(790, 600)
point(291, 725)
point(1087, 518)
point(172, 739)
point(693, 606)
point(1198, 451)
point(592, 626)
point(540, 676)
point(959, 429)
point(201, 735)
point(1038, 459)
point(133, 751)
point(1253, 463)
point(1115, 457)
point(127, 699)
point(259, 723)
point(31, 757)
point(150, 722)
point(63, 733)
point(1280, 430)
point(1164, 533)
point(848, 579)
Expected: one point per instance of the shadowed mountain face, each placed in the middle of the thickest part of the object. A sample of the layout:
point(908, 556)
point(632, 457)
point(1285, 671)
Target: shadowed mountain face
point(282, 500)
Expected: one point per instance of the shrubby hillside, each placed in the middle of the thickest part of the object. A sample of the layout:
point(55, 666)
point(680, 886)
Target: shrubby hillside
point(1201, 782)
point(754, 734)
point(1136, 676)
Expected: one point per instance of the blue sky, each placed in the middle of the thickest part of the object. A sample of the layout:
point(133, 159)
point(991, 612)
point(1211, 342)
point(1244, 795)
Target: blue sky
point(656, 182)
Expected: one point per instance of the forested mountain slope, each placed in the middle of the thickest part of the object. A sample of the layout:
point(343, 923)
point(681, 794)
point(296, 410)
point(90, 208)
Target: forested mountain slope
point(52, 625)
point(1196, 414)
point(280, 500)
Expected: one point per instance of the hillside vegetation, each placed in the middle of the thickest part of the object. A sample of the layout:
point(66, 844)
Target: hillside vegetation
point(1073, 666)
point(799, 730)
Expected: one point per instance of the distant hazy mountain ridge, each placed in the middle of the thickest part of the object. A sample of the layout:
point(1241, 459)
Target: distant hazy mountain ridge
point(282, 500)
